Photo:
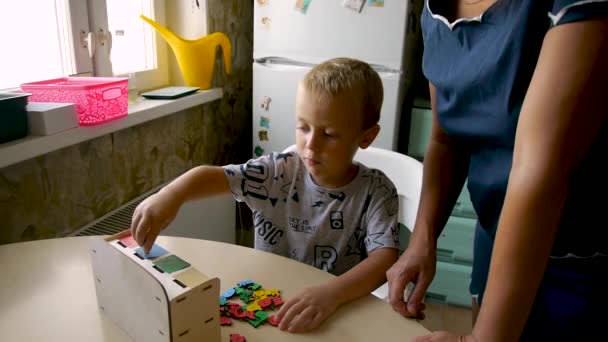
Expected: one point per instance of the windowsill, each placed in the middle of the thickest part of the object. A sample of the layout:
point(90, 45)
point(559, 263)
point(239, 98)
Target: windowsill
point(144, 110)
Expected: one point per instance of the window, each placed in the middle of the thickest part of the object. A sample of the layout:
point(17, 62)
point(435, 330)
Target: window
point(57, 38)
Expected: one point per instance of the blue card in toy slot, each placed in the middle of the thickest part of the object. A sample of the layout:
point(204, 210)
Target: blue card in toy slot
point(169, 93)
point(155, 252)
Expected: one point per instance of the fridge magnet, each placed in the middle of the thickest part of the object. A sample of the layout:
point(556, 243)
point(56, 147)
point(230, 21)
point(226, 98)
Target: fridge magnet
point(258, 151)
point(375, 3)
point(265, 122)
point(265, 102)
point(355, 5)
point(302, 5)
point(262, 2)
point(263, 134)
point(266, 23)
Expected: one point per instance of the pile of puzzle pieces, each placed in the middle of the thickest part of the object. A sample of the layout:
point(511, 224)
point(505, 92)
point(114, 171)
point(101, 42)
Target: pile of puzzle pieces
point(256, 300)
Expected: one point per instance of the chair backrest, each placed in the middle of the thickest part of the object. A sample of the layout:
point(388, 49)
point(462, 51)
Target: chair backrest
point(404, 171)
point(406, 174)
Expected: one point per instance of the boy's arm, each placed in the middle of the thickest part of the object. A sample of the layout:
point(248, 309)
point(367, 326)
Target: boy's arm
point(199, 182)
point(365, 277)
point(157, 211)
point(313, 305)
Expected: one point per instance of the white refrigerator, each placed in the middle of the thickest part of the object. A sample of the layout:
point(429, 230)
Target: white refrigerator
point(289, 41)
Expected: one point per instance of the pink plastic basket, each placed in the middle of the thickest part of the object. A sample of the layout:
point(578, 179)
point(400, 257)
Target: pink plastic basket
point(97, 99)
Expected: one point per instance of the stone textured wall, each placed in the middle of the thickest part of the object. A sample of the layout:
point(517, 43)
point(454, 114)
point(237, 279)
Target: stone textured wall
point(55, 194)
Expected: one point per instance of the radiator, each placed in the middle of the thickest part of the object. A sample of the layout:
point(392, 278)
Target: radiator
point(210, 219)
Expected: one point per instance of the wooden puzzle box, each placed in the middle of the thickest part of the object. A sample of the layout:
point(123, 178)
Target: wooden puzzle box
point(154, 297)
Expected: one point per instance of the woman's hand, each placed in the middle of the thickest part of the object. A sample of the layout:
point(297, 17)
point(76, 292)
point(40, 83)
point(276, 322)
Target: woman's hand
point(306, 310)
point(416, 265)
point(153, 215)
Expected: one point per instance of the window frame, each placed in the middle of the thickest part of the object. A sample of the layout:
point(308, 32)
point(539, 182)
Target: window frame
point(81, 16)
point(144, 80)
point(79, 23)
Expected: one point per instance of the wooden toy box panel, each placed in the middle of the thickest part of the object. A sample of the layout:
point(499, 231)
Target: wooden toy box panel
point(149, 304)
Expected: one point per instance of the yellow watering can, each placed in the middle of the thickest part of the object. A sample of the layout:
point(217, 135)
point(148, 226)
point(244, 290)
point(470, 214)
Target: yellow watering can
point(196, 58)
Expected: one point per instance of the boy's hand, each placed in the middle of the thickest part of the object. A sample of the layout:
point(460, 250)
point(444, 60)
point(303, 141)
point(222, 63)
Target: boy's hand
point(153, 215)
point(306, 310)
point(416, 265)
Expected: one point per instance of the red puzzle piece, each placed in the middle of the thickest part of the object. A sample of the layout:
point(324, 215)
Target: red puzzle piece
point(237, 338)
point(273, 321)
point(225, 321)
point(264, 303)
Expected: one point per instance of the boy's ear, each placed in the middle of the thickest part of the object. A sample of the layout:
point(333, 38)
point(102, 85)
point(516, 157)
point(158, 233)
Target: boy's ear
point(369, 136)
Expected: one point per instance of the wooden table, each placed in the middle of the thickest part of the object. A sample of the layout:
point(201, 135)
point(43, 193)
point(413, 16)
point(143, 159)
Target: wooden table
point(47, 294)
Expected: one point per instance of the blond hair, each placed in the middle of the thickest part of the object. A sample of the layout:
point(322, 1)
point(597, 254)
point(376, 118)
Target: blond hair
point(340, 76)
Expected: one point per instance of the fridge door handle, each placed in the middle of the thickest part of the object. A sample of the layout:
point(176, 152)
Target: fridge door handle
point(280, 61)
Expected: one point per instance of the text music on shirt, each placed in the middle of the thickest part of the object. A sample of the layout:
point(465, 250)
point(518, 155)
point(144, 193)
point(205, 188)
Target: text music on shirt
point(265, 229)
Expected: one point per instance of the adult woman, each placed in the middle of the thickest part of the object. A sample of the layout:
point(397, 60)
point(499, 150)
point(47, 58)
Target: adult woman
point(516, 89)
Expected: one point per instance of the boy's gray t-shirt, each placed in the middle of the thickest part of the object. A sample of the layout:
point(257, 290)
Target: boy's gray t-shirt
point(331, 229)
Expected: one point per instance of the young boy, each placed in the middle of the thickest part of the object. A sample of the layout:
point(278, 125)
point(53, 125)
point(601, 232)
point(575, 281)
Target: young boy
point(314, 205)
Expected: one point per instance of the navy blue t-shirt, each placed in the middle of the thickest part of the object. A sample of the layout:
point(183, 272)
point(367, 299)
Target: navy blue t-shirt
point(481, 68)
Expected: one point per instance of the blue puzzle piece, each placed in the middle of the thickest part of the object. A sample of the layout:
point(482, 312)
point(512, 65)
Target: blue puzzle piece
point(229, 293)
point(245, 283)
point(156, 252)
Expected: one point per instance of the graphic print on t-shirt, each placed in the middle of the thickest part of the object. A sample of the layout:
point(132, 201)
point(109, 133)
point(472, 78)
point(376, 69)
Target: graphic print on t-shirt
point(285, 192)
point(284, 156)
point(395, 232)
point(255, 173)
point(268, 232)
point(335, 220)
point(341, 196)
point(325, 258)
point(278, 158)
point(388, 193)
point(301, 225)
point(356, 244)
point(324, 198)
point(371, 241)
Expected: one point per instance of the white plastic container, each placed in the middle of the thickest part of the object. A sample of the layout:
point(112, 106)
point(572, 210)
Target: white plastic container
point(50, 118)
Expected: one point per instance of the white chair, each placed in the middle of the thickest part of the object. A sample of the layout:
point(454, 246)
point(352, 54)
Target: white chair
point(406, 173)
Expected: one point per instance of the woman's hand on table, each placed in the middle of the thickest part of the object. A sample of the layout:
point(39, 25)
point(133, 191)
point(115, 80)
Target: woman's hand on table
point(416, 265)
point(153, 215)
point(307, 309)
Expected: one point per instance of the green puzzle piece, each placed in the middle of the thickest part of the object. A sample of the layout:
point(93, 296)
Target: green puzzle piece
point(245, 295)
point(262, 315)
point(171, 264)
point(255, 322)
point(255, 286)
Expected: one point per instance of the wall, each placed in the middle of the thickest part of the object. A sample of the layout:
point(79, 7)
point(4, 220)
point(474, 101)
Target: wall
point(55, 194)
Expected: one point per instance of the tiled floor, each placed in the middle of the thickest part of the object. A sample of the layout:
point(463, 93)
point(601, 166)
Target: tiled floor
point(444, 317)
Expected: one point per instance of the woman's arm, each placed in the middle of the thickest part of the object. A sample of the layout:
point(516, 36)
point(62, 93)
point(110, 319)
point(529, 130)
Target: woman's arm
point(562, 114)
point(445, 169)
